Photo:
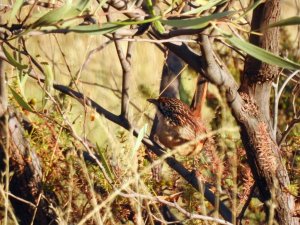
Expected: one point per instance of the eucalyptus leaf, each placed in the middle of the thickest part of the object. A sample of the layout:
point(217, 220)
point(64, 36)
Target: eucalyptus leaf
point(95, 28)
point(67, 11)
point(130, 22)
point(196, 23)
point(16, 8)
point(20, 100)
point(295, 20)
point(12, 60)
point(262, 54)
point(207, 6)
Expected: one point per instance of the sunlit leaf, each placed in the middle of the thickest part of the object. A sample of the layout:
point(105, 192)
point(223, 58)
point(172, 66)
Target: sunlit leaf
point(82, 5)
point(20, 100)
point(12, 60)
point(130, 22)
point(196, 23)
point(104, 162)
point(95, 28)
point(157, 24)
point(207, 6)
point(295, 20)
point(262, 54)
point(139, 139)
point(16, 7)
point(67, 11)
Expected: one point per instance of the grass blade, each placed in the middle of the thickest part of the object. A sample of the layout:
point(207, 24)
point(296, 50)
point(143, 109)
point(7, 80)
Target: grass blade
point(139, 140)
point(104, 162)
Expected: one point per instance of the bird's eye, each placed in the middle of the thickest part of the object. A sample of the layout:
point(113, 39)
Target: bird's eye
point(162, 104)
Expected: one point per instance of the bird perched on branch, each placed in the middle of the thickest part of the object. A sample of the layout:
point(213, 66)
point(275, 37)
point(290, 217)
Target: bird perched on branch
point(178, 128)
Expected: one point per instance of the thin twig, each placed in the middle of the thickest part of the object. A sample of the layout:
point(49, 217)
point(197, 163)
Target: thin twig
point(291, 125)
point(175, 205)
point(125, 61)
point(277, 97)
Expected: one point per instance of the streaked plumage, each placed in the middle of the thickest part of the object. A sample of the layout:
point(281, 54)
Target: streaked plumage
point(177, 125)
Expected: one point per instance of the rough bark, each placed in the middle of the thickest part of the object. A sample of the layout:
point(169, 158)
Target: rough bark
point(262, 151)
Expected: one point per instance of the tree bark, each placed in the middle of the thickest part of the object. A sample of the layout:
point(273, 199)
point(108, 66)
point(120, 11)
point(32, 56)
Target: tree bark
point(262, 150)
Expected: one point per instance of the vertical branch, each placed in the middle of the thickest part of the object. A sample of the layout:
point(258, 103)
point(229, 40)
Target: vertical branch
point(126, 70)
point(125, 61)
point(258, 76)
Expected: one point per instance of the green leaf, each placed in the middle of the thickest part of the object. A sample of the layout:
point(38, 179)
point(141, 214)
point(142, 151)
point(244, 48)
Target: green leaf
point(16, 7)
point(82, 5)
point(262, 54)
point(130, 22)
point(157, 24)
point(95, 29)
point(295, 20)
point(12, 60)
point(65, 12)
point(207, 6)
point(20, 100)
point(104, 162)
point(196, 23)
point(139, 140)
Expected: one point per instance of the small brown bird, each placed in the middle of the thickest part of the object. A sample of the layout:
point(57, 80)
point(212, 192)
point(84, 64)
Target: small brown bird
point(177, 127)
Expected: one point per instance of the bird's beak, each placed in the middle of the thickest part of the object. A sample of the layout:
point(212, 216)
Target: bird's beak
point(152, 100)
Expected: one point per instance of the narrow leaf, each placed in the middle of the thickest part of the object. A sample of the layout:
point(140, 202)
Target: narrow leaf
point(12, 60)
point(139, 140)
point(16, 7)
point(130, 22)
point(207, 6)
point(295, 20)
point(104, 162)
point(95, 29)
point(56, 15)
point(82, 5)
point(262, 54)
point(157, 24)
point(21, 101)
point(196, 23)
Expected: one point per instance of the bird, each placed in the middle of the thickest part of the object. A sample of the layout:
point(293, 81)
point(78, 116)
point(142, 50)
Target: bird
point(178, 128)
